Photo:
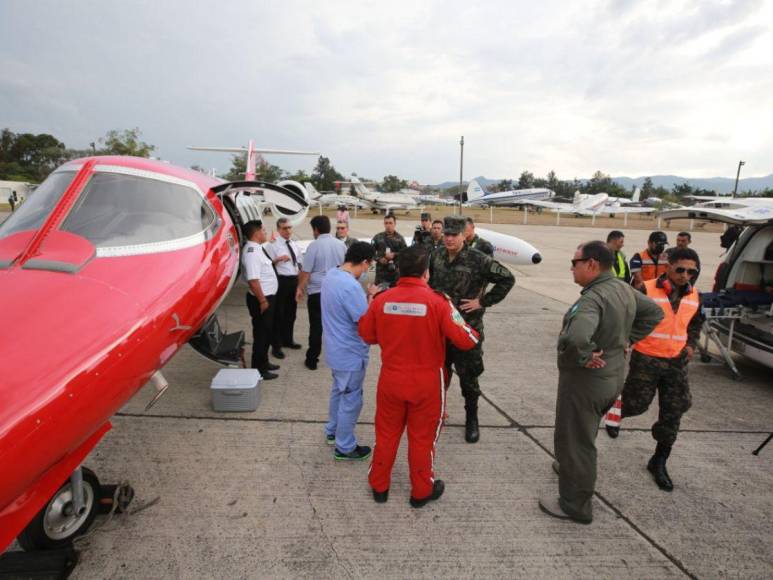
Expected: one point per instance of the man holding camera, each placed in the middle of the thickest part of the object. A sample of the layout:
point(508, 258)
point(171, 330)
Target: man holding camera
point(388, 245)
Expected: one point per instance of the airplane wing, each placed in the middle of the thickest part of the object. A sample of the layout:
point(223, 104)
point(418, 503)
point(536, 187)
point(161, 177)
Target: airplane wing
point(244, 150)
point(759, 215)
point(616, 210)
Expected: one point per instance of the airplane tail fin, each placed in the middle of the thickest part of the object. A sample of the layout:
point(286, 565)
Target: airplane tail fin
point(475, 191)
point(577, 197)
point(636, 195)
point(359, 187)
point(311, 191)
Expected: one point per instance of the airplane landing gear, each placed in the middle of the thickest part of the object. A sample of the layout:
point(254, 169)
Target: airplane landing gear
point(66, 515)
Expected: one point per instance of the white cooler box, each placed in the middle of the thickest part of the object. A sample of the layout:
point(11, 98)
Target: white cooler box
point(236, 390)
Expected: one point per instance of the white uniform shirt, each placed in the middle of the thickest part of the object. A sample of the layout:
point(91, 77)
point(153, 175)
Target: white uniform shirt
point(257, 266)
point(279, 247)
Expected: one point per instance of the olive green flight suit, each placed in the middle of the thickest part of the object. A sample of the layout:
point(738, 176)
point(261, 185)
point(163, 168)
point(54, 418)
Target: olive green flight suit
point(609, 316)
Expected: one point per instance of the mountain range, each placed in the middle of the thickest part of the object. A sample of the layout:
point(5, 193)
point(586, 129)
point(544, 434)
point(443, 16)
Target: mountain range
point(718, 184)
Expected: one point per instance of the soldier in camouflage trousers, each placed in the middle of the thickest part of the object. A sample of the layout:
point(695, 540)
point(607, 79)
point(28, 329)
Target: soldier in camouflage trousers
point(659, 362)
point(463, 274)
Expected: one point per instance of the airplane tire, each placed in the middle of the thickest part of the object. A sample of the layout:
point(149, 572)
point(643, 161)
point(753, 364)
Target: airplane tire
point(55, 526)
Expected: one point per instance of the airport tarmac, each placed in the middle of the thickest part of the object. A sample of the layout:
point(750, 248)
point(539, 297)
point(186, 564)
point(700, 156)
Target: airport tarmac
point(259, 495)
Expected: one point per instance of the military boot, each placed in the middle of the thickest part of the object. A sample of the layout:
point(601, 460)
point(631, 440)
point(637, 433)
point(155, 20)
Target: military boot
point(657, 467)
point(471, 432)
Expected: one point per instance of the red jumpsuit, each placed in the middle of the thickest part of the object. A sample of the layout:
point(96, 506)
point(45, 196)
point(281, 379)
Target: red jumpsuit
point(411, 322)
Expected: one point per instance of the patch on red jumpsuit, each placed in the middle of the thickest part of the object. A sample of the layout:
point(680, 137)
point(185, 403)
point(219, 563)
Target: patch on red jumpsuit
point(405, 308)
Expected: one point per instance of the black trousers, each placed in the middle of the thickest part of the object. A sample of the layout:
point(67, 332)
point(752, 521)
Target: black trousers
point(315, 327)
point(262, 328)
point(286, 308)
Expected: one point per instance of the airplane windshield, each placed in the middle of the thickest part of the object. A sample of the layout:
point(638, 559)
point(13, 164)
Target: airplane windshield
point(34, 211)
point(121, 210)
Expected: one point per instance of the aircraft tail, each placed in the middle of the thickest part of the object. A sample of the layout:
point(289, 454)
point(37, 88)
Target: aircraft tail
point(311, 191)
point(475, 191)
point(577, 197)
point(359, 186)
point(636, 195)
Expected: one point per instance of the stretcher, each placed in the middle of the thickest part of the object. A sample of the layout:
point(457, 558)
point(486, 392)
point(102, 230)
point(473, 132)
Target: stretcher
point(723, 312)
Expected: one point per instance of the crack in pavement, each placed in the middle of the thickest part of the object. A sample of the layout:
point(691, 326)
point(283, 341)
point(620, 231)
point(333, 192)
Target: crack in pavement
point(651, 541)
point(315, 515)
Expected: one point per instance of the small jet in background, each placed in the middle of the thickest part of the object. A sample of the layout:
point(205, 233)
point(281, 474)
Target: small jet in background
point(381, 201)
point(477, 194)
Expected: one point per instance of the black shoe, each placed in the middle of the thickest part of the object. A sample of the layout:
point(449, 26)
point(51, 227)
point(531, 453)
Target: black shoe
point(272, 367)
point(657, 467)
point(613, 432)
point(359, 453)
point(293, 346)
point(471, 430)
point(268, 376)
point(311, 365)
point(277, 353)
point(380, 496)
point(437, 490)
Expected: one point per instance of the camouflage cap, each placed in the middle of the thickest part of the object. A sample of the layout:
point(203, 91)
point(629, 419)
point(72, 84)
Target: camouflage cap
point(453, 224)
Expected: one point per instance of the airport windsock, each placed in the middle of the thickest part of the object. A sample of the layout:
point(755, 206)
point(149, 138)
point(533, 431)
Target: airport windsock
point(614, 415)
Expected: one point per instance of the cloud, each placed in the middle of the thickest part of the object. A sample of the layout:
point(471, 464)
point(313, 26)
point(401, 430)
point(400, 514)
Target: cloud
point(622, 86)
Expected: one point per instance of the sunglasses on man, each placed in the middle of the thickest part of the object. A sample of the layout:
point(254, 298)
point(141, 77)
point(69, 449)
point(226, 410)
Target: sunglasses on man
point(690, 271)
point(576, 261)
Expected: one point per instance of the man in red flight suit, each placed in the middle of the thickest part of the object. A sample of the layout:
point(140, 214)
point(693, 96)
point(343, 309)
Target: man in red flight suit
point(411, 322)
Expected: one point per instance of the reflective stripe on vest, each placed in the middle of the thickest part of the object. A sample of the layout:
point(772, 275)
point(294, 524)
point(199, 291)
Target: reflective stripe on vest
point(619, 272)
point(670, 336)
point(649, 271)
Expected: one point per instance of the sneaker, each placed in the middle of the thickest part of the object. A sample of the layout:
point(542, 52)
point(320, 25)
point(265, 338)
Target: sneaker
point(380, 496)
point(437, 490)
point(359, 453)
point(330, 439)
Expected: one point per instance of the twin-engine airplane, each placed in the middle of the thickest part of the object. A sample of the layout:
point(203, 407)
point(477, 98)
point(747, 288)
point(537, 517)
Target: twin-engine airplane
point(111, 266)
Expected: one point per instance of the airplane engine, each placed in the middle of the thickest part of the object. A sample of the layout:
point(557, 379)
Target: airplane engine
point(295, 217)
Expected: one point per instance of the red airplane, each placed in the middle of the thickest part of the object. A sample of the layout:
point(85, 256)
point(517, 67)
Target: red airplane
point(111, 266)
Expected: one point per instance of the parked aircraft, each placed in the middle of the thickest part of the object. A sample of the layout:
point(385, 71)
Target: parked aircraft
point(477, 194)
point(742, 301)
point(381, 201)
point(333, 199)
point(111, 266)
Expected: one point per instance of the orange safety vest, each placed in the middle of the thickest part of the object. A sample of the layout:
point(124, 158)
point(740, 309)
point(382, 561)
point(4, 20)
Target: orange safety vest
point(670, 336)
point(649, 271)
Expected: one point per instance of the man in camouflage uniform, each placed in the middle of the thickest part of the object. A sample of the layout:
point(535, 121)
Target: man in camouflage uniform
point(473, 240)
point(388, 245)
point(591, 364)
point(423, 234)
point(659, 362)
point(342, 233)
point(463, 273)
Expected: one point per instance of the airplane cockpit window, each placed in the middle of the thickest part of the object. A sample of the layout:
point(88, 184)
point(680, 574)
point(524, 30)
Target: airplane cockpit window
point(34, 211)
point(118, 209)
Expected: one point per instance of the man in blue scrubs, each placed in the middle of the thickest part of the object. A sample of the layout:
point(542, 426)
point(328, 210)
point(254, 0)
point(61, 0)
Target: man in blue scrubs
point(343, 302)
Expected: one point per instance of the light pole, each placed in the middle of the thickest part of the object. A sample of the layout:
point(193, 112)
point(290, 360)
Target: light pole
point(461, 172)
point(737, 175)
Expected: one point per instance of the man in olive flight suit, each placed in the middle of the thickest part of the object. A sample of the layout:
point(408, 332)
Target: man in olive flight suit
point(463, 273)
point(591, 367)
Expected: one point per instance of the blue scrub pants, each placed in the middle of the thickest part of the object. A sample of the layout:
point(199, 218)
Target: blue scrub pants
point(345, 406)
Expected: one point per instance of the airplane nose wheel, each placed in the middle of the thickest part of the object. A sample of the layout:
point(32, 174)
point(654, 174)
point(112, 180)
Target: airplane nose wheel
point(64, 517)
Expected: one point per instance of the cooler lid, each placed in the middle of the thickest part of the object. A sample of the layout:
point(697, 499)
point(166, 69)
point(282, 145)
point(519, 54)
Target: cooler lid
point(235, 378)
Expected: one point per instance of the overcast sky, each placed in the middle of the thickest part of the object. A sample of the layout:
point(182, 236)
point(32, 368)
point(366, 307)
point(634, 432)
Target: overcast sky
point(631, 88)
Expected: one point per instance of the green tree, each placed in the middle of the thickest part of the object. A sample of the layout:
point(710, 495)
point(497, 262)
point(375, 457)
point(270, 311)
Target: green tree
point(300, 176)
point(647, 188)
point(238, 168)
point(266, 171)
point(392, 183)
point(552, 181)
point(526, 180)
point(29, 157)
point(126, 142)
point(325, 175)
point(504, 185)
